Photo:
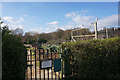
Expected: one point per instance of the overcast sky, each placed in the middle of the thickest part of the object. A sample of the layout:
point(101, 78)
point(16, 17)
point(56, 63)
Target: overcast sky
point(49, 16)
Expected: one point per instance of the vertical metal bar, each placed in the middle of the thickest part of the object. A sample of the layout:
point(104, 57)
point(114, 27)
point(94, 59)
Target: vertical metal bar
point(55, 58)
point(48, 58)
point(31, 63)
point(27, 73)
point(59, 71)
point(27, 66)
point(39, 64)
point(51, 67)
point(35, 65)
point(62, 63)
point(28, 58)
point(59, 75)
point(44, 59)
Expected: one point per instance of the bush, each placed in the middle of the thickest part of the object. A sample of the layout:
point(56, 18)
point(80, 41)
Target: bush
point(93, 58)
point(13, 56)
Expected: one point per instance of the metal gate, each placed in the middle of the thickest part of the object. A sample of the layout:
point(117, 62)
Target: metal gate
point(44, 64)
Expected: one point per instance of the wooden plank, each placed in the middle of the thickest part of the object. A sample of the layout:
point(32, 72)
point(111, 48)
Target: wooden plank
point(83, 36)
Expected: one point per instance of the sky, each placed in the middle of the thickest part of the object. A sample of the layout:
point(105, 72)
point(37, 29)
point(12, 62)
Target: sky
point(45, 17)
point(60, 0)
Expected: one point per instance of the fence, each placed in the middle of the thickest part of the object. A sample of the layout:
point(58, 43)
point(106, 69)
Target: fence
point(44, 64)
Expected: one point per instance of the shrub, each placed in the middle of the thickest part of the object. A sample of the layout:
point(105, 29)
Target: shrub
point(13, 57)
point(93, 58)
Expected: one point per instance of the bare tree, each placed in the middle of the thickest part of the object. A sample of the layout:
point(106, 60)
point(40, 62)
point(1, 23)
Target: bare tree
point(17, 31)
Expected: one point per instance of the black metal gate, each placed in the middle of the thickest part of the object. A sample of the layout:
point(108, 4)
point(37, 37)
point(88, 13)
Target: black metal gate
point(44, 64)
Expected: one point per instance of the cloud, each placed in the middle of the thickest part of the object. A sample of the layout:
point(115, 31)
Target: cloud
point(80, 19)
point(44, 29)
point(77, 20)
point(72, 14)
point(20, 20)
point(109, 21)
point(13, 23)
point(13, 20)
point(9, 19)
point(53, 23)
point(15, 26)
point(83, 20)
point(65, 27)
point(76, 13)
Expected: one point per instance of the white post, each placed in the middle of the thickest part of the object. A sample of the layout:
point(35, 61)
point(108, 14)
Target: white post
point(71, 36)
point(106, 33)
point(96, 33)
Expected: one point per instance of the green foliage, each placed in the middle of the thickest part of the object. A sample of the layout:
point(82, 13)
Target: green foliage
point(13, 56)
point(93, 58)
point(42, 41)
point(60, 36)
point(52, 48)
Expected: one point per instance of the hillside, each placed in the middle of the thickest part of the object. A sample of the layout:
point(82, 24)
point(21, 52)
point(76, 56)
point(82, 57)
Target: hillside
point(60, 36)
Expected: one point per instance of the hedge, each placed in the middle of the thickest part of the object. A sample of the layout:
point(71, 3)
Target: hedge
point(93, 58)
point(13, 57)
